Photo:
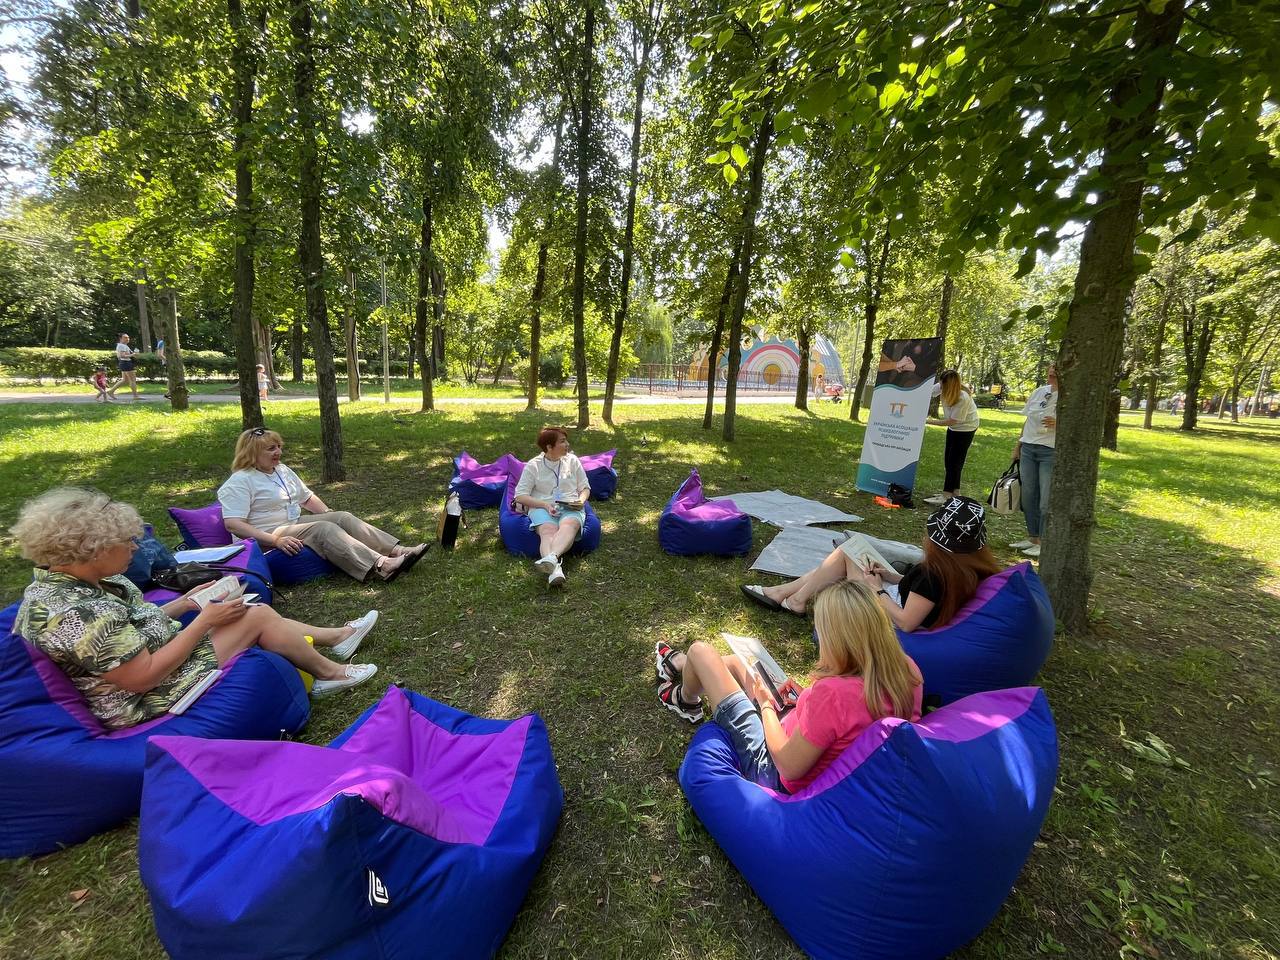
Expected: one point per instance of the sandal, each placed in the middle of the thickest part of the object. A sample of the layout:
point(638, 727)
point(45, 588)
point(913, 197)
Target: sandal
point(413, 556)
point(663, 656)
point(756, 593)
point(669, 694)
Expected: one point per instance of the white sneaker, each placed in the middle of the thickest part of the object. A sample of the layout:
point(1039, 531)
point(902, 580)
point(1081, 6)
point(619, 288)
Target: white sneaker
point(356, 673)
point(1032, 551)
point(1022, 544)
point(557, 577)
point(937, 500)
point(546, 564)
point(347, 648)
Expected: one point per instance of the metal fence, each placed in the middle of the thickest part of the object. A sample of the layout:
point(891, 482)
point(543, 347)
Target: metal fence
point(673, 380)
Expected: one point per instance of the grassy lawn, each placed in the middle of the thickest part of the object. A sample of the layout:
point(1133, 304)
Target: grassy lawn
point(372, 388)
point(1162, 838)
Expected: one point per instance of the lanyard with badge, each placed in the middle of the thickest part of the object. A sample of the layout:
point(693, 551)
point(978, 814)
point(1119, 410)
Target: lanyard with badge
point(288, 495)
point(555, 492)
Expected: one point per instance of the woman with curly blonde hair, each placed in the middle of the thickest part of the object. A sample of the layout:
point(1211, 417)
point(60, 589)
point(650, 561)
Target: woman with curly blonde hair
point(128, 657)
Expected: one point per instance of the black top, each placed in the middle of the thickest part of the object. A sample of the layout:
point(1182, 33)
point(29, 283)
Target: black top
point(918, 580)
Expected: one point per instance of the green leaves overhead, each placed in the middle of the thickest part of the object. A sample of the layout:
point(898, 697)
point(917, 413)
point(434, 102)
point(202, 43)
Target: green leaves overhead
point(739, 156)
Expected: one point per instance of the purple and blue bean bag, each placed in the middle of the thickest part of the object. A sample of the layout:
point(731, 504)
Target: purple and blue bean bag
point(518, 535)
point(64, 777)
point(907, 845)
point(416, 832)
point(480, 485)
point(999, 639)
point(203, 528)
point(691, 524)
point(601, 474)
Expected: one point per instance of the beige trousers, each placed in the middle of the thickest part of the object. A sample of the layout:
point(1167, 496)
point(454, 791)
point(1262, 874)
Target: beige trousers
point(343, 539)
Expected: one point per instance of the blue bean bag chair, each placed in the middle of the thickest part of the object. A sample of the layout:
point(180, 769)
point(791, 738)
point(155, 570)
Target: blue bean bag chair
point(479, 485)
point(691, 524)
point(416, 832)
point(999, 639)
point(518, 535)
point(203, 528)
point(601, 474)
point(65, 777)
point(908, 844)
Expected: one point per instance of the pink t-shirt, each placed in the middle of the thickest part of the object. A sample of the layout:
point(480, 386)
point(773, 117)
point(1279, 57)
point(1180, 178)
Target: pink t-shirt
point(830, 714)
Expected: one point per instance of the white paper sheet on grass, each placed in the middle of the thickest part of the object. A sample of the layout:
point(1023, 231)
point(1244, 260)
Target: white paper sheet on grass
point(786, 510)
point(797, 550)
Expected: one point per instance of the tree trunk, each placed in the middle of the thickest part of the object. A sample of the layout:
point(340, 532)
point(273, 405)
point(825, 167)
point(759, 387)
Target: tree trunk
point(540, 279)
point(1257, 394)
point(1091, 348)
point(1195, 350)
point(266, 353)
point(244, 66)
point(144, 318)
point(1157, 353)
point(874, 283)
point(351, 337)
point(1111, 429)
point(944, 316)
point(438, 368)
point(296, 372)
point(423, 305)
point(310, 252)
point(802, 375)
point(717, 335)
point(580, 237)
point(628, 238)
point(750, 207)
point(175, 368)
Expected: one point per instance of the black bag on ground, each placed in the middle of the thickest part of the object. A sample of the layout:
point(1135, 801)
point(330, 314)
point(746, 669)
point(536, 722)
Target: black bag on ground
point(187, 576)
point(451, 518)
point(900, 496)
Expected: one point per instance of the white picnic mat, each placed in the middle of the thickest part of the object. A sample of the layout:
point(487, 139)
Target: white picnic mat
point(798, 549)
point(786, 510)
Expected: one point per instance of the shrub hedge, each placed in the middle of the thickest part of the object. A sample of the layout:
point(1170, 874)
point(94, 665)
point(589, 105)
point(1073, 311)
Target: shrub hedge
point(59, 363)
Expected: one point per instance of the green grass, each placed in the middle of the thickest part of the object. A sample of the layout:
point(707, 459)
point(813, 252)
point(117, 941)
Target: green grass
point(1161, 840)
point(372, 388)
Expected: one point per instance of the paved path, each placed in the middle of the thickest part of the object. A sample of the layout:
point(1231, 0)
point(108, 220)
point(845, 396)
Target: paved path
point(626, 400)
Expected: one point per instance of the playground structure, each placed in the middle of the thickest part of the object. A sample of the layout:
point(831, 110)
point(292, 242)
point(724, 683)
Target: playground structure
point(769, 365)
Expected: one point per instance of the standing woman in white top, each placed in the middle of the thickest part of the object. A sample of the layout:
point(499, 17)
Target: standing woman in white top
point(554, 489)
point(263, 500)
point(125, 355)
point(1034, 452)
point(960, 417)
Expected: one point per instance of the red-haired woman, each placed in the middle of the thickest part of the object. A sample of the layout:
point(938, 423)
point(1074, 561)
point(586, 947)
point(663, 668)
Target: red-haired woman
point(554, 489)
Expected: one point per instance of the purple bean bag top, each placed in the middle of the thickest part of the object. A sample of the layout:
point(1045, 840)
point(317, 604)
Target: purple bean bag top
point(420, 825)
point(480, 485)
point(691, 524)
point(204, 528)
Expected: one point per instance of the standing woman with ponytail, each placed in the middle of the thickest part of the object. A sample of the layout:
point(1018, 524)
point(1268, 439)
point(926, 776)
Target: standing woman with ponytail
point(960, 417)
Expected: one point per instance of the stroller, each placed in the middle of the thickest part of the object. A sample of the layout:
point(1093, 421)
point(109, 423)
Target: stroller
point(834, 392)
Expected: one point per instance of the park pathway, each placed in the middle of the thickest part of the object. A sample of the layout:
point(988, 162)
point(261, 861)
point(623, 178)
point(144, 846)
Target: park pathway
point(629, 400)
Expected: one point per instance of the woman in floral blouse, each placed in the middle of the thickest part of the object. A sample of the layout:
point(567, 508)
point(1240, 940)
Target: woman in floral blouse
point(128, 657)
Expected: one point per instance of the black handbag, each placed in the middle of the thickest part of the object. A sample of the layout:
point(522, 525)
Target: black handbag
point(451, 518)
point(187, 576)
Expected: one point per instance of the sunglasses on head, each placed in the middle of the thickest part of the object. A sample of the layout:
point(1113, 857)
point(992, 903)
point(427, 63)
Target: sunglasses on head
point(258, 432)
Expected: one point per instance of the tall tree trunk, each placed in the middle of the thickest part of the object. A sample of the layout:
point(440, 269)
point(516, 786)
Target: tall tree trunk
point(540, 279)
point(717, 335)
point(1257, 394)
point(244, 67)
point(1195, 350)
point(874, 283)
point(438, 367)
point(266, 352)
point(1091, 348)
point(310, 252)
point(747, 242)
point(422, 306)
point(1157, 353)
point(628, 237)
point(940, 331)
point(580, 236)
point(296, 371)
point(144, 317)
point(802, 375)
point(351, 337)
point(177, 371)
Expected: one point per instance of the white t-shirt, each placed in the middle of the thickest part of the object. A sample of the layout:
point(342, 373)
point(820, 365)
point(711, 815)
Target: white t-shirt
point(265, 500)
point(964, 413)
point(1042, 403)
point(124, 351)
point(544, 479)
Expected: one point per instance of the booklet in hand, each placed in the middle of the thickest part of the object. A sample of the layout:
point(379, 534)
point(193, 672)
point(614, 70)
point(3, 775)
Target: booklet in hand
point(862, 551)
point(569, 504)
point(228, 588)
point(754, 657)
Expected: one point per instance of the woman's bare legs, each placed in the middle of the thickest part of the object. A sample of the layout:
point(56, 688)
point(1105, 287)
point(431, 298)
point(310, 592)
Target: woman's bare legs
point(565, 536)
point(265, 628)
point(546, 536)
point(323, 636)
point(704, 671)
point(797, 593)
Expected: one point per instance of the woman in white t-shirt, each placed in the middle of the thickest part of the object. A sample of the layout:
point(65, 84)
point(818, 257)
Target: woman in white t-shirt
point(553, 488)
point(264, 500)
point(1035, 452)
point(960, 417)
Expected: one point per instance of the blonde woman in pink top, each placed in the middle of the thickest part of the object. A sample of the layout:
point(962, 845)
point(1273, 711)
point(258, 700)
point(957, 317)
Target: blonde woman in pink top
point(861, 676)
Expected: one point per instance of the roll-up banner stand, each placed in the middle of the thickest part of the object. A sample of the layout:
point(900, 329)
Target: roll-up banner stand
point(899, 405)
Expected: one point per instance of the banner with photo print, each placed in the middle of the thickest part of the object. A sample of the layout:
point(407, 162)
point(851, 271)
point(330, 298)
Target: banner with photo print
point(899, 405)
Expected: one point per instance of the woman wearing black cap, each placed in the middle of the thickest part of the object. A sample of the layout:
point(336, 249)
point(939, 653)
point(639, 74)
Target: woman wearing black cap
point(956, 560)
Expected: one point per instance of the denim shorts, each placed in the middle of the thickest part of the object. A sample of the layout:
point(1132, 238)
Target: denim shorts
point(538, 516)
point(737, 716)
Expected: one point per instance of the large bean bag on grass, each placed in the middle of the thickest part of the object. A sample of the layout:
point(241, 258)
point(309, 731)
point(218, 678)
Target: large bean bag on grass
point(417, 832)
point(601, 474)
point(519, 537)
point(999, 639)
point(479, 485)
point(908, 844)
point(691, 524)
point(203, 528)
point(65, 777)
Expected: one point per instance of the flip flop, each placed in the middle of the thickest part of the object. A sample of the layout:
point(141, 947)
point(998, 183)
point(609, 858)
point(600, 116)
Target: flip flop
point(756, 593)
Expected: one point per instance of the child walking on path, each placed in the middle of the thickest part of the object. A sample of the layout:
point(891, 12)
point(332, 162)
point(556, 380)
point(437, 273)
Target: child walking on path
point(99, 381)
point(862, 675)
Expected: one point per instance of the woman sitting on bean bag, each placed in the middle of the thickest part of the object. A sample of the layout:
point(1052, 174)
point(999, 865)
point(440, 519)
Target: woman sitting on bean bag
point(956, 560)
point(861, 676)
point(128, 657)
point(554, 489)
point(263, 500)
